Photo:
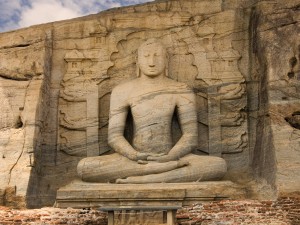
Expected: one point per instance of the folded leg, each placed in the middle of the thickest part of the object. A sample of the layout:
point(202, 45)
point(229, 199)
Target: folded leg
point(109, 168)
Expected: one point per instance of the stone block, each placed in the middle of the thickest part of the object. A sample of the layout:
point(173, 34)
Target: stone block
point(79, 194)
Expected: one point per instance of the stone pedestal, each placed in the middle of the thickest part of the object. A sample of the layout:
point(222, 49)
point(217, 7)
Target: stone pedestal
point(79, 194)
point(155, 203)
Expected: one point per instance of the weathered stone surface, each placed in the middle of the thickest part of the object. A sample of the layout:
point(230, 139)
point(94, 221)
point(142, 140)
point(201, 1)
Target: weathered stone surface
point(275, 47)
point(22, 83)
point(241, 58)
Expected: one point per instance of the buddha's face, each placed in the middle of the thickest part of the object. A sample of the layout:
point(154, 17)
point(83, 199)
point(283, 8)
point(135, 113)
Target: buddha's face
point(152, 59)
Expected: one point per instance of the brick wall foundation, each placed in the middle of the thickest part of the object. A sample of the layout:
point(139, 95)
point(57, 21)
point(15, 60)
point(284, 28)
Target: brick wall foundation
point(284, 211)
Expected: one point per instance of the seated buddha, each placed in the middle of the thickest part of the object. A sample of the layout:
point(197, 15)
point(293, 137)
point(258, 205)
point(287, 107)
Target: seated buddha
point(152, 157)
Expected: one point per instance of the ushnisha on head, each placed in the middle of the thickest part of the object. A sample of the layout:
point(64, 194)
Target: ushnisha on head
point(152, 59)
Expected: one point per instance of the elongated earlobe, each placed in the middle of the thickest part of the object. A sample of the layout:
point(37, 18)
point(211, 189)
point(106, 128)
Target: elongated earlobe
point(167, 65)
point(138, 71)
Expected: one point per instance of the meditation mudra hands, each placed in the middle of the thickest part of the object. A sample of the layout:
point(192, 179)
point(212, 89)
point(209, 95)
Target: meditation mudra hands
point(152, 157)
point(145, 158)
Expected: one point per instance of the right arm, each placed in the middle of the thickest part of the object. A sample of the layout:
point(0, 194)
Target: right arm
point(119, 108)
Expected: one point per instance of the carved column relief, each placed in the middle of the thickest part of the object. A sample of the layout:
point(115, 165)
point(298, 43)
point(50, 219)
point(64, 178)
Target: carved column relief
point(226, 101)
point(99, 34)
point(79, 105)
point(220, 87)
point(201, 50)
point(225, 95)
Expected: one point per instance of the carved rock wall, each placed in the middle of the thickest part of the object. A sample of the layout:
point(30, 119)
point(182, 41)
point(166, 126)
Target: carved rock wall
point(56, 81)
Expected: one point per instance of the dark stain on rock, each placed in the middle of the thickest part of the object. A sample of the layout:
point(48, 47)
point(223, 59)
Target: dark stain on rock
point(294, 120)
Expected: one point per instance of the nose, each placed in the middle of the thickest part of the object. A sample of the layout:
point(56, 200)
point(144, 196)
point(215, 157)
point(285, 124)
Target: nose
point(151, 61)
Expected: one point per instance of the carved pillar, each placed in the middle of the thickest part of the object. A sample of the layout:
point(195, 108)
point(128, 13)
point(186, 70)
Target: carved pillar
point(79, 107)
point(226, 101)
point(214, 123)
point(92, 115)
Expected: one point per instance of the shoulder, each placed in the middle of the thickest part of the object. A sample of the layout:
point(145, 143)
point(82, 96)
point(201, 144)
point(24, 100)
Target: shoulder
point(184, 94)
point(124, 88)
point(180, 87)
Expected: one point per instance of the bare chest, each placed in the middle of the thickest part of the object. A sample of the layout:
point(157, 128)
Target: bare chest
point(152, 107)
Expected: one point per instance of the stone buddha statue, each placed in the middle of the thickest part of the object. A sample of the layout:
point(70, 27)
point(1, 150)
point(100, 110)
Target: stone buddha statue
point(152, 157)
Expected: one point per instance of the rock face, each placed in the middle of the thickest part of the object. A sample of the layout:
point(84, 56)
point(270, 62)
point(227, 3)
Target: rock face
point(241, 58)
point(275, 47)
point(24, 75)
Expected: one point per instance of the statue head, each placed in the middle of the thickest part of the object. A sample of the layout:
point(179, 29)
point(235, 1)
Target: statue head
point(152, 58)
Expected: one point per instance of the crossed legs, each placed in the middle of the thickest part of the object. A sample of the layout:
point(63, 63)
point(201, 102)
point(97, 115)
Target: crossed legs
point(119, 169)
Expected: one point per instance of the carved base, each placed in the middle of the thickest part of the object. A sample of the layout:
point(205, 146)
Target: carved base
point(79, 194)
point(152, 216)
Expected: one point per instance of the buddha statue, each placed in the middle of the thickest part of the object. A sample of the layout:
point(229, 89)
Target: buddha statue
point(152, 157)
